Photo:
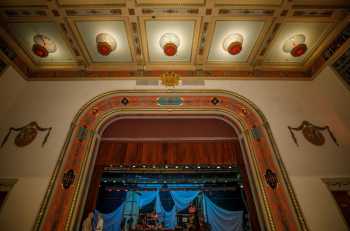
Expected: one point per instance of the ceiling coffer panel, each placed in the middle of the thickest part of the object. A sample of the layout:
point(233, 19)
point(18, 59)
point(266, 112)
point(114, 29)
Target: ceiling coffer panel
point(248, 32)
point(313, 34)
point(159, 33)
point(47, 35)
point(113, 32)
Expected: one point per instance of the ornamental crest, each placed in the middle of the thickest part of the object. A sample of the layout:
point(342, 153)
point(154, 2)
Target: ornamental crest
point(27, 134)
point(170, 79)
point(271, 178)
point(68, 178)
point(312, 133)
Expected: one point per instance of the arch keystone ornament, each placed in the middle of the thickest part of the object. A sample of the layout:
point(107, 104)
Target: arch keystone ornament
point(277, 207)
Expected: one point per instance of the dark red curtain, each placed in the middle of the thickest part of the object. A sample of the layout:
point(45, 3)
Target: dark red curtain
point(218, 152)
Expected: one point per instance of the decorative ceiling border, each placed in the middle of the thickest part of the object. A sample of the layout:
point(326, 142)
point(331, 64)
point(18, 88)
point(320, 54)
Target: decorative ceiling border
point(329, 51)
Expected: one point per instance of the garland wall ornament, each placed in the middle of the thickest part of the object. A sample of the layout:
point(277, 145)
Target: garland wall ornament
point(312, 133)
point(278, 208)
point(27, 134)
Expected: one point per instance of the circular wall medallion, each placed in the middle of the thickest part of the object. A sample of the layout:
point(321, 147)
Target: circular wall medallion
point(26, 136)
point(313, 135)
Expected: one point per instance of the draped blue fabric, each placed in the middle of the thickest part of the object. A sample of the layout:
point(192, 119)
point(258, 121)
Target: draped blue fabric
point(111, 221)
point(183, 199)
point(218, 218)
point(222, 219)
point(168, 218)
point(146, 197)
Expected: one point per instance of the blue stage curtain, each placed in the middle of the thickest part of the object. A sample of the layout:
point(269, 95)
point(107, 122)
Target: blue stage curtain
point(222, 219)
point(146, 197)
point(168, 218)
point(111, 221)
point(183, 199)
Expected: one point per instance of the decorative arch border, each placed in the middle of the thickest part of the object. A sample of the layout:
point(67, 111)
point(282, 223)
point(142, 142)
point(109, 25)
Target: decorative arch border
point(276, 200)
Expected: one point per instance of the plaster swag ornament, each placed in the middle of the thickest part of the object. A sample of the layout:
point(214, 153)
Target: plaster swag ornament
point(312, 133)
point(27, 134)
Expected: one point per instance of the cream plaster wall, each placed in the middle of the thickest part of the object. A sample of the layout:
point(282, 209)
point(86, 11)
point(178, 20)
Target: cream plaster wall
point(322, 101)
point(8, 94)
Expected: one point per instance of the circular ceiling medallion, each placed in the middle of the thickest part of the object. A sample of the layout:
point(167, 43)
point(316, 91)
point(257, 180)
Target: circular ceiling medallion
point(105, 44)
point(233, 44)
point(169, 42)
point(295, 45)
point(43, 45)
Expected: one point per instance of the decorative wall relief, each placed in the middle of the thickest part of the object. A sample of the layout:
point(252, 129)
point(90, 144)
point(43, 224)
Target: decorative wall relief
point(68, 179)
point(271, 178)
point(170, 79)
point(27, 134)
point(312, 133)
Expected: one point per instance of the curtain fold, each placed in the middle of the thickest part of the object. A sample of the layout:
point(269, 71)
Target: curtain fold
point(111, 221)
point(183, 199)
point(221, 219)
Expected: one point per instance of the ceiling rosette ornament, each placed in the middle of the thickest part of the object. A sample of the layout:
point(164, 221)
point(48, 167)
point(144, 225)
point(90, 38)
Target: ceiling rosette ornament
point(169, 42)
point(233, 44)
point(105, 44)
point(295, 45)
point(43, 45)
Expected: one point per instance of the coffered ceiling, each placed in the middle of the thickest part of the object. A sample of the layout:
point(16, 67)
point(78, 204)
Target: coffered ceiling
point(137, 28)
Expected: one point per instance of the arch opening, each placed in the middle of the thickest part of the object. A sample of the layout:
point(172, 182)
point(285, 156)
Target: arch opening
point(272, 191)
point(183, 152)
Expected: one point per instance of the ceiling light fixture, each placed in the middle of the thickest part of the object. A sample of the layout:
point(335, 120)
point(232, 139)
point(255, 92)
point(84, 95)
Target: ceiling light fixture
point(43, 45)
point(169, 42)
point(233, 43)
point(295, 45)
point(105, 44)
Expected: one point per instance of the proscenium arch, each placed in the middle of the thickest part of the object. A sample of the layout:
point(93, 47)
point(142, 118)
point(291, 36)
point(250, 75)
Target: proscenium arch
point(278, 207)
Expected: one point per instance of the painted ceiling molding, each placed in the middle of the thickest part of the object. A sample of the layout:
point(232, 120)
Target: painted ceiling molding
point(258, 40)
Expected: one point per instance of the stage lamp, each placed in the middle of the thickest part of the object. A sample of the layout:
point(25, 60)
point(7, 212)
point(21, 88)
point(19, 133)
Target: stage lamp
point(105, 44)
point(169, 42)
point(295, 45)
point(233, 43)
point(43, 45)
